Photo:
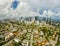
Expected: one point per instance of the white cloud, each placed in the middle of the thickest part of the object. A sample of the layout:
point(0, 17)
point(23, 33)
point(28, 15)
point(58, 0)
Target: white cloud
point(45, 3)
point(24, 8)
point(4, 4)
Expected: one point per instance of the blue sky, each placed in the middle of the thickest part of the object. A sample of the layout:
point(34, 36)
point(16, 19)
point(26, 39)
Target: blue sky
point(41, 4)
point(35, 4)
point(14, 4)
point(22, 7)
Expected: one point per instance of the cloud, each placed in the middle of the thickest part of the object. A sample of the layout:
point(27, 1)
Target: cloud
point(4, 4)
point(27, 7)
point(23, 10)
point(53, 5)
point(43, 4)
point(35, 4)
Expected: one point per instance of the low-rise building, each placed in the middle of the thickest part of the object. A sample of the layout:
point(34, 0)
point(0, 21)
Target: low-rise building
point(9, 36)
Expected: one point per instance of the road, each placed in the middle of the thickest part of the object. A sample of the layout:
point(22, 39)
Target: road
point(10, 41)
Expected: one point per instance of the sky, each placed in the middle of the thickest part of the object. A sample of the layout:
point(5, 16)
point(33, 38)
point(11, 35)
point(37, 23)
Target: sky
point(35, 4)
point(15, 4)
point(29, 7)
point(44, 4)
